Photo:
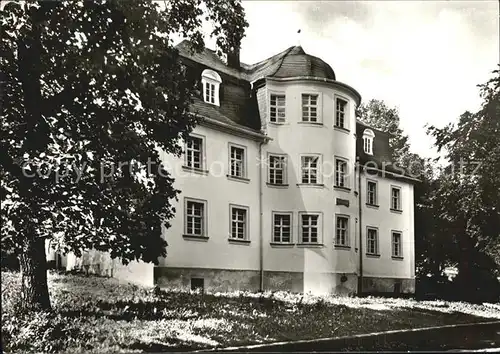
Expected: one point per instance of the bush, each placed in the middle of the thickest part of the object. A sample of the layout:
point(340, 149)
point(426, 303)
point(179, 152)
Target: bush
point(9, 260)
point(481, 286)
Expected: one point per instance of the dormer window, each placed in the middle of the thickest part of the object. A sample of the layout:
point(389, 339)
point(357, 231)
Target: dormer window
point(211, 82)
point(368, 136)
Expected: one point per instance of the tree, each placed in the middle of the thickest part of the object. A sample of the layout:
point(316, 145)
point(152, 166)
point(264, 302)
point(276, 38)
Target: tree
point(90, 92)
point(467, 199)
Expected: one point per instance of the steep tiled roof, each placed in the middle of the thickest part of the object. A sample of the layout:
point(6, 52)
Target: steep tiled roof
point(381, 158)
point(208, 58)
point(293, 61)
point(381, 149)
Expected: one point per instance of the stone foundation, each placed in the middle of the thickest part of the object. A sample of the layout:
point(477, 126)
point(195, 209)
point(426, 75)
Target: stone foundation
point(213, 279)
point(249, 280)
point(388, 285)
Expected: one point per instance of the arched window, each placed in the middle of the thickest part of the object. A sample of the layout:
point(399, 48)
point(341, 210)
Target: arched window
point(211, 82)
point(368, 136)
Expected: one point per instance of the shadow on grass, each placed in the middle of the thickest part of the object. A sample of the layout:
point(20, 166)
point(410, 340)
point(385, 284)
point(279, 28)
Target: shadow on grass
point(178, 306)
point(173, 344)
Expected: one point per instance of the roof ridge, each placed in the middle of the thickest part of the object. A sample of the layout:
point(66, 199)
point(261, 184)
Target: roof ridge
point(282, 60)
point(252, 66)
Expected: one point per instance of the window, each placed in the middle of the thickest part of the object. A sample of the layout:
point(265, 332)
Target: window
point(309, 228)
point(277, 169)
point(239, 223)
point(372, 241)
point(211, 81)
point(340, 173)
point(396, 244)
point(277, 109)
point(194, 152)
point(309, 108)
point(237, 161)
point(195, 217)
point(209, 92)
point(342, 231)
point(395, 198)
point(282, 227)
point(371, 197)
point(309, 169)
point(368, 136)
point(340, 113)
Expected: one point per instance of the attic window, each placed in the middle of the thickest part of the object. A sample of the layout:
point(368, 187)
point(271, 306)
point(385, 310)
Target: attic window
point(368, 136)
point(211, 81)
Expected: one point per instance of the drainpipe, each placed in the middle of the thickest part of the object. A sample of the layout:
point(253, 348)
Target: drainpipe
point(261, 221)
point(360, 275)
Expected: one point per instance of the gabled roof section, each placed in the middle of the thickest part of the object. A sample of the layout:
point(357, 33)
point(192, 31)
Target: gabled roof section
point(292, 62)
point(208, 58)
point(381, 158)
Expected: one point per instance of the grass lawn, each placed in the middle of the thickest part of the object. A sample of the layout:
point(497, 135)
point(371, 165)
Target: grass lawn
point(93, 314)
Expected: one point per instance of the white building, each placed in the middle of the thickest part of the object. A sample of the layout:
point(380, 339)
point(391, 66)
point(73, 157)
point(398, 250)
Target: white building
point(282, 189)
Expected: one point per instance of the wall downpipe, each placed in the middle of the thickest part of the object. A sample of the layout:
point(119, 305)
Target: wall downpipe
point(261, 222)
point(360, 275)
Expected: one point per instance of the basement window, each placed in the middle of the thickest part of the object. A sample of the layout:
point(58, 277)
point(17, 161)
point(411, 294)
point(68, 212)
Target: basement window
point(198, 284)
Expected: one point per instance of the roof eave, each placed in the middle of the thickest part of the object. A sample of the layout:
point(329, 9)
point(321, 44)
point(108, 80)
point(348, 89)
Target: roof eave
point(232, 129)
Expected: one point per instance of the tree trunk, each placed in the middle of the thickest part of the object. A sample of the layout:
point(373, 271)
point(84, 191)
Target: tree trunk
point(33, 265)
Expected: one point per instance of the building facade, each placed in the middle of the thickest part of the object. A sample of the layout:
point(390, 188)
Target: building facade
point(281, 187)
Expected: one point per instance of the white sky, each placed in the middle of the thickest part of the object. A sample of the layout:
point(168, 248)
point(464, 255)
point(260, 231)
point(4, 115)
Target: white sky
point(424, 57)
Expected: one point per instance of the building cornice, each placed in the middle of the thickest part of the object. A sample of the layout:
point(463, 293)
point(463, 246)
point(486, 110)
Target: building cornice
point(336, 83)
point(231, 129)
point(389, 174)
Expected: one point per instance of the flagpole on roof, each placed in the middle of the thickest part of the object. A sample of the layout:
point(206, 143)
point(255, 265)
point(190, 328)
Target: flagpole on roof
point(298, 37)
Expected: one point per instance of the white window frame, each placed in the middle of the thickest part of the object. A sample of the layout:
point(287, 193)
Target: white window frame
point(281, 227)
point(318, 168)
point(368, 251)
point(399, 253)
point(375, 201)
point(277, 107)
point(310, 106)
point(368, 136)
point(204, 221)
point(344, 113)
point(243, 164)
point(346, 242)
point(319, 228)
point(187, 161)
point(271, 169)
point(246, 225)
point(213, 80)
point(345, 173)
point(399, 199)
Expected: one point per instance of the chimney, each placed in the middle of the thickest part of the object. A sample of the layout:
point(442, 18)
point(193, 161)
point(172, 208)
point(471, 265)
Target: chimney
point(233, 58)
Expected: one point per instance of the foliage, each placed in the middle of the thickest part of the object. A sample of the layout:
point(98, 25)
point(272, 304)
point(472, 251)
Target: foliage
point(96, 314)
point(467, 196)
point(457, 212)
point(92, 91)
